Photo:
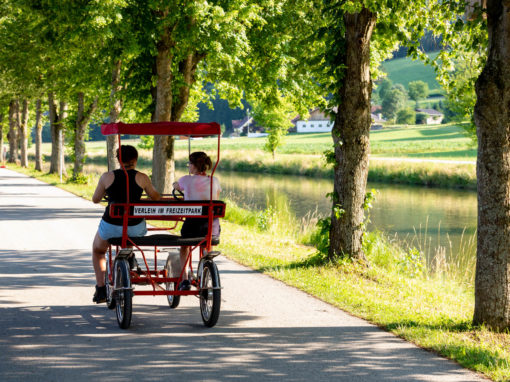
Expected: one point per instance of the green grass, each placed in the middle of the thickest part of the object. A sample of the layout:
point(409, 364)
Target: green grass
point(302, 154)
point(405, 70)
point(440, 142)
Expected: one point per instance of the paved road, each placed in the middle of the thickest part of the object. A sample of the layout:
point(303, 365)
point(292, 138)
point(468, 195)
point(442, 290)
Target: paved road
point(50, 330)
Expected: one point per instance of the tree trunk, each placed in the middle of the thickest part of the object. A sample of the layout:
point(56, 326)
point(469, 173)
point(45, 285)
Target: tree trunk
point(82, 120)
point(23, 134)
point(112, 143)
point(351, 138)
point(163, 165)
point(12, 136)
point(2, 158)
point(492, 118)
point(57, 135)
point(38, 136)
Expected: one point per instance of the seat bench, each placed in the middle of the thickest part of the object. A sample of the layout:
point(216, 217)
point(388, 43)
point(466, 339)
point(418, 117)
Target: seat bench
point(164, 240)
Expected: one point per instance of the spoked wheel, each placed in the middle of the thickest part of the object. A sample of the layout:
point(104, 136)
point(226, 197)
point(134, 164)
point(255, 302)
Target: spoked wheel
point(123, 293)
point(108, 276)
point(173, 301)
point(210, 294)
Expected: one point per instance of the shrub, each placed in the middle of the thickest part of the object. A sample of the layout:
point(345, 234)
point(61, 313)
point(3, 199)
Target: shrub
point(421, 118)
point(406, 116)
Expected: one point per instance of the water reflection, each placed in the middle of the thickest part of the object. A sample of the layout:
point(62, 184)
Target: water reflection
point(426, 217)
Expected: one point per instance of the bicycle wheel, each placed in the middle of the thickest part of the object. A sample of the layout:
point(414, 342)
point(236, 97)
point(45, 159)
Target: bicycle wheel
point(123, 293)
point(108, 281)
point(173, 301)
point(210, 294)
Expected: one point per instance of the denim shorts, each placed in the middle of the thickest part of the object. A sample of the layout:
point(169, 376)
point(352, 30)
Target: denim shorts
point(107, 230)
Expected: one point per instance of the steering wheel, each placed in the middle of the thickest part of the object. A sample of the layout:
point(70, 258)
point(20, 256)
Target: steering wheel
point(178, 195)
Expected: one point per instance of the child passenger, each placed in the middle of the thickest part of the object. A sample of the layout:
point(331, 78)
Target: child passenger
point(197, 186)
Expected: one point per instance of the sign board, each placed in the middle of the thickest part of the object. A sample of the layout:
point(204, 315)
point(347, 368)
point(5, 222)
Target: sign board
point(167, 211)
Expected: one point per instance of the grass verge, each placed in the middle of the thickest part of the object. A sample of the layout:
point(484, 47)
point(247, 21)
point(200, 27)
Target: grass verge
point(425, 307)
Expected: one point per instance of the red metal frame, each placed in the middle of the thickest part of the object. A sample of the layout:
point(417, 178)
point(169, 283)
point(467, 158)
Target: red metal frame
point(156, 277)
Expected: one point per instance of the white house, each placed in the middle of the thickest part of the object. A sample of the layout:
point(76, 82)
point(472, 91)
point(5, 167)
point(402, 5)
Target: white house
point(318, 122)
point(434, 117)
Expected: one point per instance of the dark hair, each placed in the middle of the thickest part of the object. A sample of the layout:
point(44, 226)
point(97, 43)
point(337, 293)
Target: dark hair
point(201, 161)
point(128, 153)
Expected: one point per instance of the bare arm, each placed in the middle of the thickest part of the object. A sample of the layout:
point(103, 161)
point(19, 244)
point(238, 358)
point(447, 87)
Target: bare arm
point(100, 191)
point(144, 182)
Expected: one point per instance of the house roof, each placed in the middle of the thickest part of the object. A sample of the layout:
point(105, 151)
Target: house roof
point(240, 123)
point(429, 111)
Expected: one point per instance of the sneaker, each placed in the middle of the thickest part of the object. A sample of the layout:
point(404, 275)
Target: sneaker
point(100, 295)
point(185, 285)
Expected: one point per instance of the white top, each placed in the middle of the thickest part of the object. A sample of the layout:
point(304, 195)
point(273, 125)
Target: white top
point(198, 187)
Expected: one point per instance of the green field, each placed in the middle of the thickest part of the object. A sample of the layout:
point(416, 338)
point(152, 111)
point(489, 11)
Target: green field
point(303, 154)
point(444, 142)
point(405, 70)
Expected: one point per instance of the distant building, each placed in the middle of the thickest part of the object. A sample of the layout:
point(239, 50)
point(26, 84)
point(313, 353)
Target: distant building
point(241, 125)
point(317, 122)
point(434, 117)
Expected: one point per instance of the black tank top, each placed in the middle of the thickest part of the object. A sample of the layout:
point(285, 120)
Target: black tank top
point(117, 194)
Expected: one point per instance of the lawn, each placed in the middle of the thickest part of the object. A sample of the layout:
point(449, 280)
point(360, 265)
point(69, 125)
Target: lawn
point(303, 154)
point(413, 141)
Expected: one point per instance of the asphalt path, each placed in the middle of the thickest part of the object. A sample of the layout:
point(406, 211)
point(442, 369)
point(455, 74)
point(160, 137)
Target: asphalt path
point(267, 331)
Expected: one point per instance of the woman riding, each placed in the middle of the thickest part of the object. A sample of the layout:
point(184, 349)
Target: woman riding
point(197, 186)
point(113, 185)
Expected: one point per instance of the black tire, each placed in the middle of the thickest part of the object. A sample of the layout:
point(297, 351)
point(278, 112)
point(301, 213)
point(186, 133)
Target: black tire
point(173, 301)
point(123, 293)
point(108, 281)
point(210, 294)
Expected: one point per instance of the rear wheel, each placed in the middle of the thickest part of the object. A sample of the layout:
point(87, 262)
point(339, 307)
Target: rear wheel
point(210, 294)
point(173, 301)
point(123, 293)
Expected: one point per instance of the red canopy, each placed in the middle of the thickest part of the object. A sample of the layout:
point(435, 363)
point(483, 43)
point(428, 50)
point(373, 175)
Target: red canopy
point(195, 129)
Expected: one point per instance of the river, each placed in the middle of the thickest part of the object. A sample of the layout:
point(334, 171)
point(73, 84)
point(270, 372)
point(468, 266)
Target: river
point(430, 219)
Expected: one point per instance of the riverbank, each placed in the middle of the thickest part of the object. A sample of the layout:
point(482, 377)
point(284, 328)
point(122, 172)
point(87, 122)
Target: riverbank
point(432, 156)
point(398, 292)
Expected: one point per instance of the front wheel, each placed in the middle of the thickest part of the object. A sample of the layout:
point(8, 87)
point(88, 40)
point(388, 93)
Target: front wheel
point(123, 293)
point(210, 294)
point(173, 300)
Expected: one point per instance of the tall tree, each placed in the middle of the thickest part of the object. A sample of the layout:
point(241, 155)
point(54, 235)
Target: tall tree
point(23, 133)
point(359, 35)
point(38, 136)
point(237, 45)
point(492, 118)
point(83, 117)
point(12, 135)
point(418, 90)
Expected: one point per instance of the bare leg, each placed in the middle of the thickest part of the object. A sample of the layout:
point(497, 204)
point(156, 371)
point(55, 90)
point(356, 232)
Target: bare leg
point(184, 256)
point(99, 248)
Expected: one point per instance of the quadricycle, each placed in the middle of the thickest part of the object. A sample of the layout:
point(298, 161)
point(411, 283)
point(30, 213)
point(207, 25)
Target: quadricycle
point(123, 272)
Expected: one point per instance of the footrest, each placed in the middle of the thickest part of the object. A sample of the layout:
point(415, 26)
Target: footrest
point(164, 240)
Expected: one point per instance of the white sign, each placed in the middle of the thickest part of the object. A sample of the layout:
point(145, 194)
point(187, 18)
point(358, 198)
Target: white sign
point(167, 210)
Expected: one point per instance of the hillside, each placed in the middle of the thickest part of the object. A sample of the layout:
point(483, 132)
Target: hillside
point(404, 70)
